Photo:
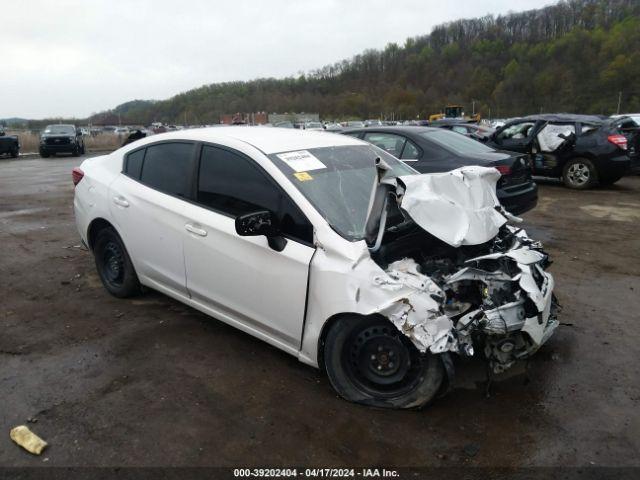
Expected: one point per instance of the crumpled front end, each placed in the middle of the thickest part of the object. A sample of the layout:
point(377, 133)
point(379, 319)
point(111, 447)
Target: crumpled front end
point(488, 287)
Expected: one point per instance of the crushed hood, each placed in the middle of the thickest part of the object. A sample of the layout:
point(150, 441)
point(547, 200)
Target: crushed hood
point(459, 207)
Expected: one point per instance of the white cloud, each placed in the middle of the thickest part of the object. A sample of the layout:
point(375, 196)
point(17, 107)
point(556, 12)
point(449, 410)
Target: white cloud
point(74, 57)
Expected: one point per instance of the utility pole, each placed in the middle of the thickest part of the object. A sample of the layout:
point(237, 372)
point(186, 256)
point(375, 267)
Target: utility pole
point(473, 107)
point(619, 101)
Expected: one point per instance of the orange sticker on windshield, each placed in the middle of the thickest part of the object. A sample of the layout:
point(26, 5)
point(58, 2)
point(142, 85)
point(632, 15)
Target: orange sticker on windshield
point(303, 176)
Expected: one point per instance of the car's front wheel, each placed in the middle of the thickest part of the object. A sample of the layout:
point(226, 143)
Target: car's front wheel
point(114, 265)
point(579, 173)
point(14, 152)
point(368, 360)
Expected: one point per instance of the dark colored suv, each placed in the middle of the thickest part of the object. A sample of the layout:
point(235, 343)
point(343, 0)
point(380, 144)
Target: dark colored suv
point(61, 139)
point(9, 144)
point(582, 150)
point(431, 150)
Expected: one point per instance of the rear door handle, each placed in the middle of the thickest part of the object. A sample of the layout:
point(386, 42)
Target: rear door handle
point(195, 230)
point(120, 201)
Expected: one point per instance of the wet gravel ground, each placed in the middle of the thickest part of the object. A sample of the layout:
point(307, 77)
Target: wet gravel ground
point(149, 381)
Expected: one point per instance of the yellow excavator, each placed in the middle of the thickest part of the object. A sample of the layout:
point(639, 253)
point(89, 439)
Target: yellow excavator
point(454, 111)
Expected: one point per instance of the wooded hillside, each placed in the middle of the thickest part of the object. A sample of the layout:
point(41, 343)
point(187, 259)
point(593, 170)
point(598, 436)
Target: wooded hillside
point(575, 56)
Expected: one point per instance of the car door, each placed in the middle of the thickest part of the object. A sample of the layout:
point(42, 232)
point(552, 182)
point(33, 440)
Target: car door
point(241, 277)
point(148, 205)
point(515, 137)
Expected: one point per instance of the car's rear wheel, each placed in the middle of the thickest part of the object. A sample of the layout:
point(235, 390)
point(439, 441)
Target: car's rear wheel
point(14, 152)
point(579, 173)
point(44, 154)
point(114, 265)
point(368, 360)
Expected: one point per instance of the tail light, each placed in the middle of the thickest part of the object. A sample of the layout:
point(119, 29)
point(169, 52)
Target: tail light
point(504, 169)
point(618, 140)
point(76, 175)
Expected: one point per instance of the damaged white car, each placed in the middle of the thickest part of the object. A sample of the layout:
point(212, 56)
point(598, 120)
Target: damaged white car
point(326, 247)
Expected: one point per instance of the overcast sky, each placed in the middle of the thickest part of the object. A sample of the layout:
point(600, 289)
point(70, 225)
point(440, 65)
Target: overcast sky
point(76, 57)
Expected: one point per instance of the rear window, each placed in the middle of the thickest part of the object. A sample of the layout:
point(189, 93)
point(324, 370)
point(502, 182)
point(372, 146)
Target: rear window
point(456, 143)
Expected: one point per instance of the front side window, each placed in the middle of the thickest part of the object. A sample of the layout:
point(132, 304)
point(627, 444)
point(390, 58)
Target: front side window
point(231, 184)
point(167, 167)
point(517, 131)
point(389, 142)
point(338, 181)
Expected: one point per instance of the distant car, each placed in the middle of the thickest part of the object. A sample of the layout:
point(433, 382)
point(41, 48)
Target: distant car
point(431, 150)
point(121, 131)
point(353, 124)
point(333, 127)
point(9, 144)
point(582, 150)
point(373, 123)
point(313, 126)
point(61, 139)
point(285, 124)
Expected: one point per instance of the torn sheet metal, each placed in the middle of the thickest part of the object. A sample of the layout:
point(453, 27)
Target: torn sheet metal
point(549, 137)
point(457, 207)
point(438, 318)
point(418, 315)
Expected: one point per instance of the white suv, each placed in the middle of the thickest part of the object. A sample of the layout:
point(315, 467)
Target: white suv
point(324, 246)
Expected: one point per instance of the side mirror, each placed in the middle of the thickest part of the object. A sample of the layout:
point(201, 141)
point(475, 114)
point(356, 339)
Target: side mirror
point(262, 222)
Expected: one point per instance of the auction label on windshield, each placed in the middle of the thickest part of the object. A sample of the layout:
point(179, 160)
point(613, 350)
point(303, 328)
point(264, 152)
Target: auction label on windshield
point(301, 161)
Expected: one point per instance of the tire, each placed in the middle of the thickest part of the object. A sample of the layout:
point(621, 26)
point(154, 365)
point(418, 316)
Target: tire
point(14, 153)
point(358, 354)
point(75, 152)
point(114, 265)
point(580, 174)
point(82, 150)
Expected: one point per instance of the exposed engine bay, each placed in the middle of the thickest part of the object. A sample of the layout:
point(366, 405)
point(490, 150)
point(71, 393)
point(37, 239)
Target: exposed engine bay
point(495, 295)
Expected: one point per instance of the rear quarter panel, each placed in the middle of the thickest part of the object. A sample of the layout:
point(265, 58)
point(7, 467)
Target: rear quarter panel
point(91, 198)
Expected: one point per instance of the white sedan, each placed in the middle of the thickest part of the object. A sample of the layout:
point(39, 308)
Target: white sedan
point(324, 246)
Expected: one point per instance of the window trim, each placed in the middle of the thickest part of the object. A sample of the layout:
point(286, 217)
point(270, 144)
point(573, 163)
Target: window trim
point(262, 171)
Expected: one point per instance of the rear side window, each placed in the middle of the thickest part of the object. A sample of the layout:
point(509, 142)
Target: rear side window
point(410, 151)
point(229, 183)
point(389, 142)
point(133, 166)
point(167, 168)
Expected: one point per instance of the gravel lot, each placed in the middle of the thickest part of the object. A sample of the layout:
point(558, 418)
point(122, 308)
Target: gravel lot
point(149, 381)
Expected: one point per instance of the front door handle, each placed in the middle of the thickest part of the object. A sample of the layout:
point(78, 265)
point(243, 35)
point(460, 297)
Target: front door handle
point(120, 201)
point(195, 230)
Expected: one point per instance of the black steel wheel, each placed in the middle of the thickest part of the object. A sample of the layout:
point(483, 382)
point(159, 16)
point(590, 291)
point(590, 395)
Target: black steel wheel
point(368, 360)
point(114, 265)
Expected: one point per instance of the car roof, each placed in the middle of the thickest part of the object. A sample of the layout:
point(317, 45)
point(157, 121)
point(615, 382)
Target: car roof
point(393, 129)
point(268, 140)
point(562, 117)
